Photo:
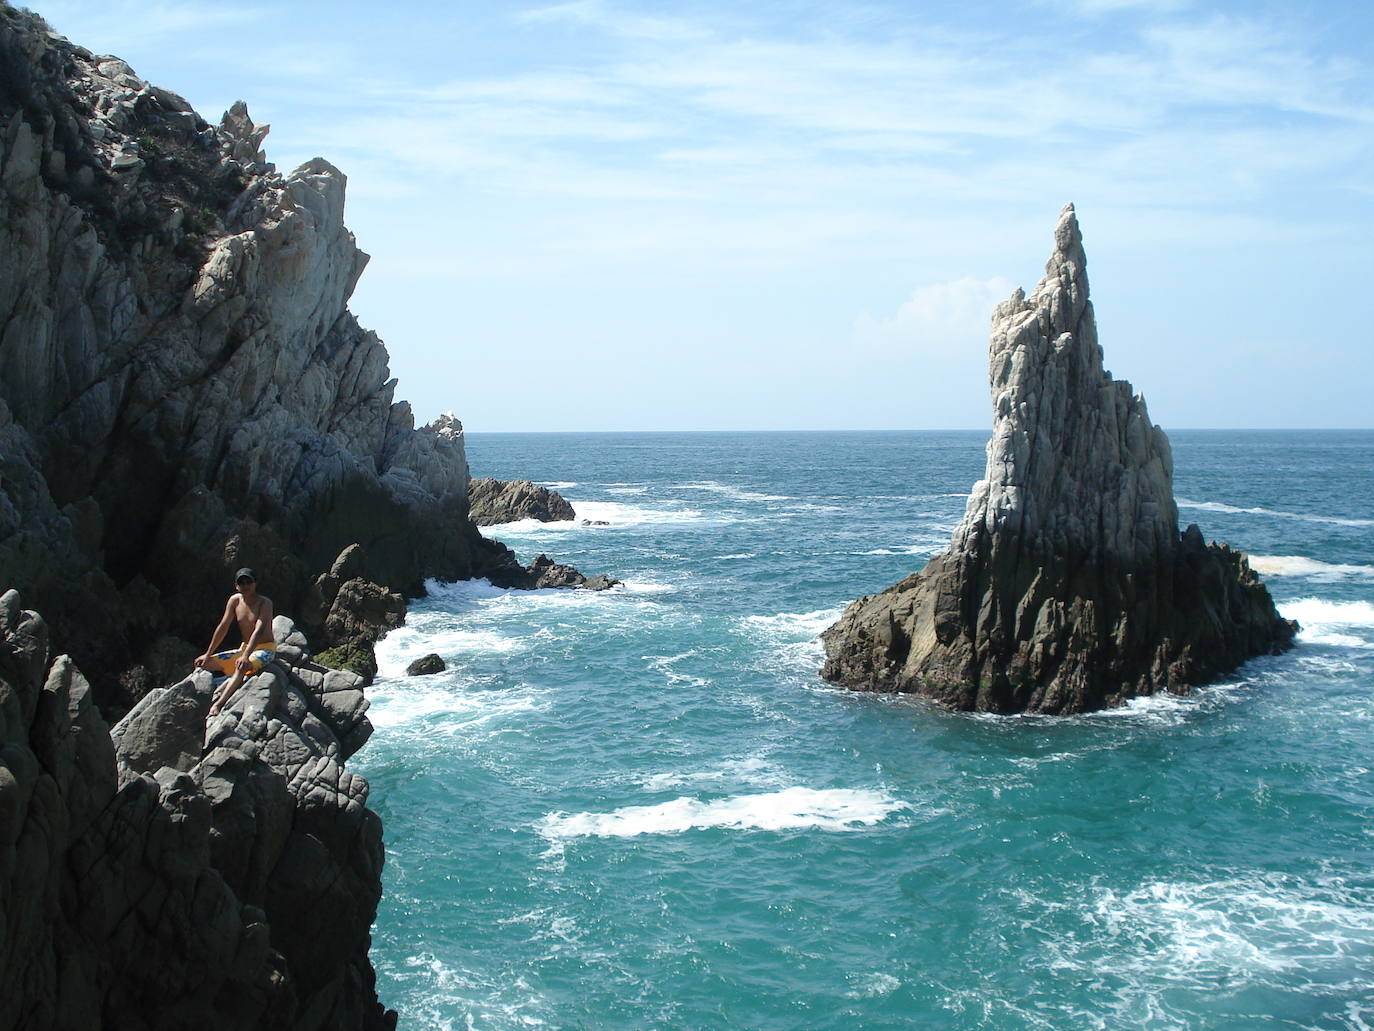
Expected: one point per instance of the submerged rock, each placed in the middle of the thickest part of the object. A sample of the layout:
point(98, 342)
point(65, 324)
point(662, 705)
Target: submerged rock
point(1067, 586)
point(426, 665)
point(506, 501)
point(545, 572)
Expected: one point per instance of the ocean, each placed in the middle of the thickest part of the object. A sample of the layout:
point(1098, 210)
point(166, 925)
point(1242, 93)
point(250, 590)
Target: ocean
point(643, 809)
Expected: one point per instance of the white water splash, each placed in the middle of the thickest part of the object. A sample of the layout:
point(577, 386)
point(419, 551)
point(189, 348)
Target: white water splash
point(1219, 506)
point(796, 808)
point(1347, 624)
point(1299, 565)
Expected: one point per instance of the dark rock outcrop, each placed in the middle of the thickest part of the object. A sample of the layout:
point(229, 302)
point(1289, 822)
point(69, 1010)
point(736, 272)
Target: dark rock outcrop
point(182, 387)
point(426, 665)
point(545, 572)
point(1067, 587)
point(349, 614)
point(166, 875)
point(507, 501)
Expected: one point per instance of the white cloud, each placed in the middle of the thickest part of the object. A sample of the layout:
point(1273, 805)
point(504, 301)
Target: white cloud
point(942, 317)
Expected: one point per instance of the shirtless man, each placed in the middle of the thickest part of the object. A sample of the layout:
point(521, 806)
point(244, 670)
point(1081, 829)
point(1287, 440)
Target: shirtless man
point(253, 613)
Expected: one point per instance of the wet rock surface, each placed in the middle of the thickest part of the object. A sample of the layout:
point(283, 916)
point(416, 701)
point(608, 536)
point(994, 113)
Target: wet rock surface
point(545, 572)
point(1067, 586)
point(426, 665)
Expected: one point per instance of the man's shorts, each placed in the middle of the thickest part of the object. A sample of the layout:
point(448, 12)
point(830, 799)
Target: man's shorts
point(226, 663)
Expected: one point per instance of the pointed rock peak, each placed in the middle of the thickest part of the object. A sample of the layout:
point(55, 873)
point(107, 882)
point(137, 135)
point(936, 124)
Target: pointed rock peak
point(236, 115)
point(447, 427)
point(1068, 241)
point(1066, 586)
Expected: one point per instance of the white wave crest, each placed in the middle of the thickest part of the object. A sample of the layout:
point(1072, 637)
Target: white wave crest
point(793, 625)
point(796, 808)
point(795, 637)
point(1220, 506)
point(1331, 622)
point(919, 548)
point(1299, 565)
point(754, 771)
point(558, 484)
point(738, 493)
point(429, 705)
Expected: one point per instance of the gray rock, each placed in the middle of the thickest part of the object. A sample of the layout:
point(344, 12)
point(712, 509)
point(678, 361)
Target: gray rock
point(600, 582)
point(165, 728)
point(1067, 585)
point(544, 572)
point(426, 665)
point(182, 387)
point(506, 501)
point(226, 877)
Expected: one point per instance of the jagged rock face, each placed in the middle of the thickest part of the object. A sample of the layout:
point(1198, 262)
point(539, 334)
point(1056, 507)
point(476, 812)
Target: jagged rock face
point(507, 501)
point(168, 876)
point(545, 572)
point(182, 387)
point(1067, 585)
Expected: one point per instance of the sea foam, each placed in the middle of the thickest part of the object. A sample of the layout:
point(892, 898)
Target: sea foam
point(796, 808)
point(736, 493)
point(1299, 565)
point(1332, 622)
point(1220, 506)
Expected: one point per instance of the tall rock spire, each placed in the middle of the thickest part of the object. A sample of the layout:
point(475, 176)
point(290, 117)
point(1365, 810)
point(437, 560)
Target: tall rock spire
point(1067, 585)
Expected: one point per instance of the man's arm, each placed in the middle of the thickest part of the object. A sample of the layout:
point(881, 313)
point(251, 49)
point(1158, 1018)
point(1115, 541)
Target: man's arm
point(220, 631)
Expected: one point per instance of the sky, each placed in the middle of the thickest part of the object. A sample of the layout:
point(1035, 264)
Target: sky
point(603, 215)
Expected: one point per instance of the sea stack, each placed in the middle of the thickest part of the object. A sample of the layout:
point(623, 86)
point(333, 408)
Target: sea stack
point(1067, 586)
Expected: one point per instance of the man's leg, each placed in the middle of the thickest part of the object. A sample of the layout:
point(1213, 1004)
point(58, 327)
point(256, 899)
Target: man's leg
point(230, 686)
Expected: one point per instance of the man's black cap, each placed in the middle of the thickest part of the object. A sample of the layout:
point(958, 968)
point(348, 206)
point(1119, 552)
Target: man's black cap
point(244, 574)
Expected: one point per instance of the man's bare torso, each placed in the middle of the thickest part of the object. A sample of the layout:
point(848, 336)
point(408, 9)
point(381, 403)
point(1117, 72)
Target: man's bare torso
point(246, 615)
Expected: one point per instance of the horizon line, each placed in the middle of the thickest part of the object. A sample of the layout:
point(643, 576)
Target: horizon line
point(951, 429)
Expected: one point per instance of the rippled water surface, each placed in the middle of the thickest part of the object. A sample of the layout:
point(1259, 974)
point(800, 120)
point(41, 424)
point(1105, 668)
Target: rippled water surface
point(643, 809)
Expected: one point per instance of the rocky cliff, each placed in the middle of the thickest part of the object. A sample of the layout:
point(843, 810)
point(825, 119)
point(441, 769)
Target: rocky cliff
point(170, 875)
point(182, 387)
point(1067, 585)
point(183, 391)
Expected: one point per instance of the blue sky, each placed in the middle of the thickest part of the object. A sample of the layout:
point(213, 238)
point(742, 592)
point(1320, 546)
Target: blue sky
point(599, 215)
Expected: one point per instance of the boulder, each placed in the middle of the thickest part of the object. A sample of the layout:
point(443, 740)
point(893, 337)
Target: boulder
point(1067, 586)
point(426, 665)
point(507, 501)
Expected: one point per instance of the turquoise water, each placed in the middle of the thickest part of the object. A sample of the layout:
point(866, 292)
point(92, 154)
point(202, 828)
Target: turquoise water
point(643, 809)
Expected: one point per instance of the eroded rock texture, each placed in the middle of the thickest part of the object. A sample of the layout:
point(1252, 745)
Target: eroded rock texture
point(182, 387)
point(1067, 586)
point(507, 501)
point(166, 875)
